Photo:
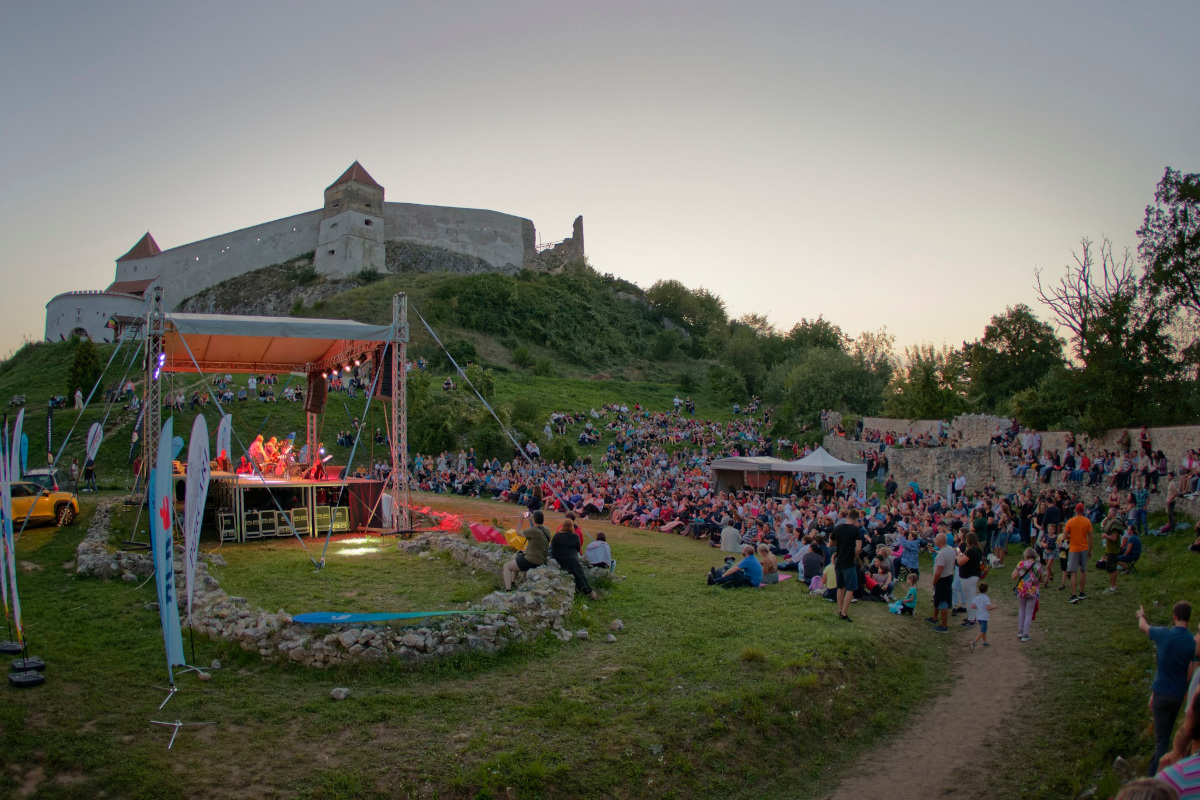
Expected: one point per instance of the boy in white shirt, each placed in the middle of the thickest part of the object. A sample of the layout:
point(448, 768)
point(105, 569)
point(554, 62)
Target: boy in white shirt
point(983, 604)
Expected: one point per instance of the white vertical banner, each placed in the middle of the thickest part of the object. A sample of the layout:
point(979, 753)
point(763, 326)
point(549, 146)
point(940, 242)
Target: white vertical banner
point(195, 495)
point(14, 450)
point(94, 438)
point(162, 504)
point(225, 437)
point(9, 547)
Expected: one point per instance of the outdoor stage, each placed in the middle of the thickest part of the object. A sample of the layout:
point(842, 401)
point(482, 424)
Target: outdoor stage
point(255, 506)
point(252, 507)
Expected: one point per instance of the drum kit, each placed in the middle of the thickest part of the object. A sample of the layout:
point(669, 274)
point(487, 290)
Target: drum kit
point(281, 463)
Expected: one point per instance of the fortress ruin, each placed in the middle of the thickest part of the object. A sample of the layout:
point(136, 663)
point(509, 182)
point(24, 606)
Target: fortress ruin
point(349, 234)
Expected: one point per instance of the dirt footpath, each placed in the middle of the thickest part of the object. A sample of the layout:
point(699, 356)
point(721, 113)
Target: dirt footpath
point(949, 741)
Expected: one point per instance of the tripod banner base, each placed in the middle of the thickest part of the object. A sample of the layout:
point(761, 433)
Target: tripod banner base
point(26, 680)
point(28, 664)
point(10, 648)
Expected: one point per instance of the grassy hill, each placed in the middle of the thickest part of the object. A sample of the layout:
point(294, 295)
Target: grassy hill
point(39, 371)
point(576, 322)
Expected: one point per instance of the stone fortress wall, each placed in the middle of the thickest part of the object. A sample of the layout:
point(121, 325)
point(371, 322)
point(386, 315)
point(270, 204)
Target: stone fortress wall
point(930, 467)
point(501, 242)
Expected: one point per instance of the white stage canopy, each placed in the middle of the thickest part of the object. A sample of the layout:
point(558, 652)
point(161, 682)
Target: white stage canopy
point(221, 342)
point(821, 462)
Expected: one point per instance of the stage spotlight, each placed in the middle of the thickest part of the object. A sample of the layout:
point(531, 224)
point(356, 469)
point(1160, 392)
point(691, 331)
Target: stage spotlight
point(346, 368)
point(325, 375)
point(358, 362)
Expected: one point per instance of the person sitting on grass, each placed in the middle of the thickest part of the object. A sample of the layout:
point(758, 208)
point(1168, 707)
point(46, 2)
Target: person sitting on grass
point(599, 554)
point(747, 572)
point(770, 566)
point(909, 604)
point(565, 549)
point(1131, 549)
point(537, 549)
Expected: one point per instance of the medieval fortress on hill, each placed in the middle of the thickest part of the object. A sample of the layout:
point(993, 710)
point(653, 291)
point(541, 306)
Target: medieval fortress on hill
point(350, 234)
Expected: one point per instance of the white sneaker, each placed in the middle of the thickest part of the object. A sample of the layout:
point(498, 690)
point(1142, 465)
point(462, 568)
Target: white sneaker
point(1026, 638)
point(1110, 590)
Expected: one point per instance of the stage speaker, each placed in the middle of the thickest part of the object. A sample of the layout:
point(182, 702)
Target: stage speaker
point(250, 525)
point(314, 399)
point(341, 519)
point(383, 365)
point(226, 525)
point(300, 521)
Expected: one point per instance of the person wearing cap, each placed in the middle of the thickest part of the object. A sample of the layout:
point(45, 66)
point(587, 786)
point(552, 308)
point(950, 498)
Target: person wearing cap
point(1078, 530)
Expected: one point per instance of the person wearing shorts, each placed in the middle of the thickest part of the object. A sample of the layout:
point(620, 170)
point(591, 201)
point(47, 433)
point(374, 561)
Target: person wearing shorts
point(943, 584)
point(1078, 531)
point(847, 539)
point(537, 550)
point(1049, 548)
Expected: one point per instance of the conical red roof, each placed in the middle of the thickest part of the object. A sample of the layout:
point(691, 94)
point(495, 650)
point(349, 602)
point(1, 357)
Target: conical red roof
point(358, 174)
point(145, 248)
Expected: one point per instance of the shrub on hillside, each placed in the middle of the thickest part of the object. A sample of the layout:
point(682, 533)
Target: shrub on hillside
point(726, 384)
point(560, 449)
point(543, 369)
point(665, 345)
point(85, 368)
point(522, 357)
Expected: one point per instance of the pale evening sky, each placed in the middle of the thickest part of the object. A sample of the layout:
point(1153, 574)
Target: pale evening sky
point(905, 164)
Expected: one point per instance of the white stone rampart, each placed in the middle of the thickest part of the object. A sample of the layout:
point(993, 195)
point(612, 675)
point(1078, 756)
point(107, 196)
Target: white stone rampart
point(89, 312)
point(188, 269)
point(185, 270)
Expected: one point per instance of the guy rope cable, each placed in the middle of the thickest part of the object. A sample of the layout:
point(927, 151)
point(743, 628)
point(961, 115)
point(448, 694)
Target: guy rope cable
point(462, 373)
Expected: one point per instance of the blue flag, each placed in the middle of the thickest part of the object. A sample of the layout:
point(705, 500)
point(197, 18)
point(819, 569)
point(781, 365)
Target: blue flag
point(162, 504)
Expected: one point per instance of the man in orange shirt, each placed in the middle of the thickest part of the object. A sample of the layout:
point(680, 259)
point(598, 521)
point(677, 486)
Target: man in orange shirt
point(1078, 530)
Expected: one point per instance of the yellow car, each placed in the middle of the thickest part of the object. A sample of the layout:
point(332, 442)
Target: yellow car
point(57, 507)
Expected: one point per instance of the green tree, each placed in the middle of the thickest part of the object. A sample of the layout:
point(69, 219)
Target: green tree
point(85, 368)
point(664, 346)
point(672, 300)
point(828, 378)
point(1015, 353)
point(743, 353)
point(484, 380)
point(1169, 240)
point(817, 333)
point(726, 383)
point(1127, 371)
point(929, 386)
point(1169, 248)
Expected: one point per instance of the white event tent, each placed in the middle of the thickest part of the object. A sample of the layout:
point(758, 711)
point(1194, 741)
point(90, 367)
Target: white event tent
point(754, 471)
point(821, 462)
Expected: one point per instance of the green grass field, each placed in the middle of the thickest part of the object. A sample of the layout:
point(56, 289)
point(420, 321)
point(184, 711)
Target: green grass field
point(755, 693)
point(746, 694)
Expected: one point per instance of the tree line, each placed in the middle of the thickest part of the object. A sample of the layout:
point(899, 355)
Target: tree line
point(1119, 343)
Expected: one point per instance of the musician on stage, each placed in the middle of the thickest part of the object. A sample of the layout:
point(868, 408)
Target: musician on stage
point(222, 463)
point(257, 454)
point(317, 471)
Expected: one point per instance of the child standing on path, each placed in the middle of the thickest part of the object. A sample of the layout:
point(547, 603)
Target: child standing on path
point(982, 605)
